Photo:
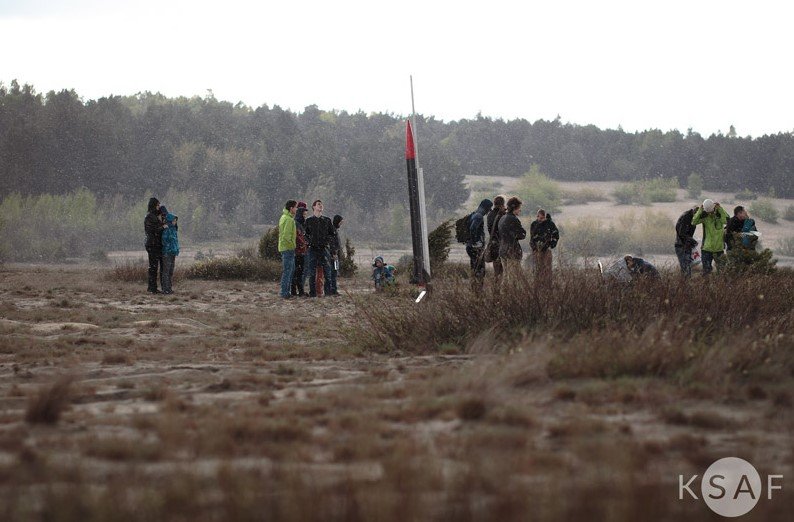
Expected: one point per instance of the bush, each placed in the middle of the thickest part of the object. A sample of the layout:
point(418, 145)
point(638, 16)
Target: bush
point(236, 268)
point(651, 232)
point(786, 247)
point(536, 191)
point(138, 272)
point(658, 190)
point(439, 242)
point(582, 196)
point(764, 210)
point(788, 214)
point(268, 245)
point(694, 185)
point(749, 261)
point(746, 195)
point(347, 260)
point(588, 238)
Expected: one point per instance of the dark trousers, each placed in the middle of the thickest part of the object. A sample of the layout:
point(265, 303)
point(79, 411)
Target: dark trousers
point(708, 257)
point(167, 273)
point(318, 257)
point(155, 265)
point(297, 279)
point(476, 261)
point(684, 259)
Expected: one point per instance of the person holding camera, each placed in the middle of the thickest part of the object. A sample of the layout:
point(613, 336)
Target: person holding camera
point(713, 218)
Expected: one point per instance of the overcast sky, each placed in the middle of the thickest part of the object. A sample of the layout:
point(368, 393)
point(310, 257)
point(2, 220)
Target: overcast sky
point(665, 64)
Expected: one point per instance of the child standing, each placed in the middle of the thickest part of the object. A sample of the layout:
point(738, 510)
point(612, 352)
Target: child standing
point(383, 274)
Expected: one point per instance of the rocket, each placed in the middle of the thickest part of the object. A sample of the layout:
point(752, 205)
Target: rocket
point(416, 199)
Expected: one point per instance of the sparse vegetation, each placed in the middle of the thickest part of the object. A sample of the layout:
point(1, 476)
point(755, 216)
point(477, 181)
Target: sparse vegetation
point(240, 268)
point(582, 196)
point(694, 185)
point(657, 190)
point(788, 214)
point(764, 210)
point(648, 232)
point(49, 402)
point(537, 190)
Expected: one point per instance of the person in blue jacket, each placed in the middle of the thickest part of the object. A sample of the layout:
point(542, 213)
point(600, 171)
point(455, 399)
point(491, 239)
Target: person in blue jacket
point(170, 240)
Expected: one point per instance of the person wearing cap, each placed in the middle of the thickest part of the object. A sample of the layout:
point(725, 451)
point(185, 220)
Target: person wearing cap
point(713, 218)
point(287, 234)
point(475, 246)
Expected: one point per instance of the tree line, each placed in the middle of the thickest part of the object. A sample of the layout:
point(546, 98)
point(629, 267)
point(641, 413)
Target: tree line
point(236, 160)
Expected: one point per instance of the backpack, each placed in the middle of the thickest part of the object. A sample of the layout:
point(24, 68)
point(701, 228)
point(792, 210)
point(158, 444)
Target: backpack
point(462, 231)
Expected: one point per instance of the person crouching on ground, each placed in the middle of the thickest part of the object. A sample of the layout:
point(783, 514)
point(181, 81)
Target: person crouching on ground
point(544, 236)
point(286, 246)
point(641, 268)
point(714, 218)
point(170, 250)
point(382, 274)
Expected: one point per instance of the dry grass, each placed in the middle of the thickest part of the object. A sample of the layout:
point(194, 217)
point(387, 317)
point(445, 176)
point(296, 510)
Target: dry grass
point(47, 405)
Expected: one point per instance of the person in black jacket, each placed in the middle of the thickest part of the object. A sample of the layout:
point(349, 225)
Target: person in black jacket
point(319, 234)
point(492, 248)
point(510, 233)
point(153, 226)
point(543, 237)
point(475, 246)
point(734, 228)
point(334, 247)
point(685, 240)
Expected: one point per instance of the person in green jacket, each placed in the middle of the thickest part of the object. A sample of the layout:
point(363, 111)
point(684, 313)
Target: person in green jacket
point(286, 245)
point(713, 218)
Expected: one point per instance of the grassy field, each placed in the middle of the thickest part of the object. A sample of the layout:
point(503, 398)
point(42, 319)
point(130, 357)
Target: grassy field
point(223, 402)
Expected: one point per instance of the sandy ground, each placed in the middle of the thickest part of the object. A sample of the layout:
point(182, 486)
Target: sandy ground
point(225, 378)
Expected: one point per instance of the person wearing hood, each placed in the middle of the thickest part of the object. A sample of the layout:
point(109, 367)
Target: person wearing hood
point(382, 274)
point(153, 227)
point(286, 246)
point(685, 240)
point(713, 218)
point(544, 236)
point(170, 249)
point(475, 246)
point(301, 249)
point(335, 248)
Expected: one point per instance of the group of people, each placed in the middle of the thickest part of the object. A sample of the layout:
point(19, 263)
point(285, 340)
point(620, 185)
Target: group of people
point(309, 248)
point(502, 246)
point(720, 234)
point(162, 246)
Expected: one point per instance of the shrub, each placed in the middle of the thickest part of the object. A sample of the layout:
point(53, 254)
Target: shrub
point(582, 196)
point(694, 185)
point(747, 194)
point(786, 247)
point(137, 271)
point(651, 232)
point(536, 191)
point(588, 238)
point(237, 268)
point(347, 260)
point(765, 210)
point(268, 245)
point(749, 261)
point(46, 406)
point(660, 190)
point(629, 193)
point(788, 214)
point(439, 242)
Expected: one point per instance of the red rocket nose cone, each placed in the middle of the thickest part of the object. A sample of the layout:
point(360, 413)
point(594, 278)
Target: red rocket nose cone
point(410, 152)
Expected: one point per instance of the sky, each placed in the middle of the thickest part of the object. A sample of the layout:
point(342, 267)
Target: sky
point(698, 64)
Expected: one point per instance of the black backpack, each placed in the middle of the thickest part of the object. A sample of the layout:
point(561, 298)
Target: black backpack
point(462, 230)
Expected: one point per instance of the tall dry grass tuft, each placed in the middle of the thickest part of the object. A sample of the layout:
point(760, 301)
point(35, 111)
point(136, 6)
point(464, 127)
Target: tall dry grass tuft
point(137, 272)
point(46, 406)
point(664, 327)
